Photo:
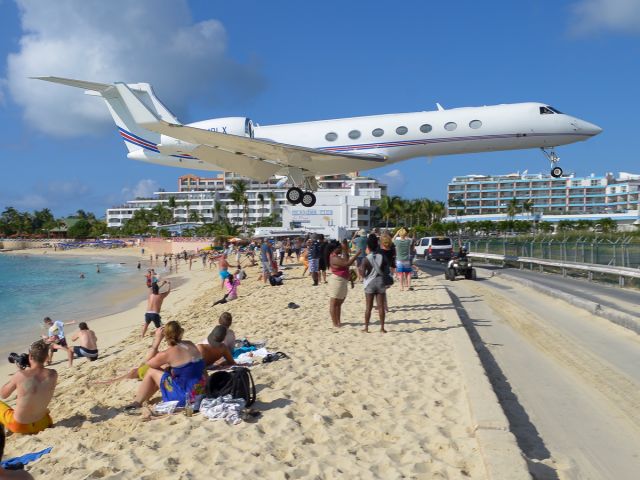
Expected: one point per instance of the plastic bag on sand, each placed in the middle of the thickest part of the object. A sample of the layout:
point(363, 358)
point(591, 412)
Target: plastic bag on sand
point(223, 408)
point(166, 407)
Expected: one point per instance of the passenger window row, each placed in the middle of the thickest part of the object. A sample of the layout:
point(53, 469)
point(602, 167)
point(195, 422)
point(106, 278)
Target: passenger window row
point(402, 130)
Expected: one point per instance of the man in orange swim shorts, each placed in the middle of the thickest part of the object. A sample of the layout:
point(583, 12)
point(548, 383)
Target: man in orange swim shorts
point(34, 387)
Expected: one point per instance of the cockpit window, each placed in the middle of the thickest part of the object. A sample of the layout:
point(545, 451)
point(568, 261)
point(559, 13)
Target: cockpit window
point(548, 110)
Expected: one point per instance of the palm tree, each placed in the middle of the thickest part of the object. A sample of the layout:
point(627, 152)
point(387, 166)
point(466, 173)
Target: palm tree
point(219, 211)
point(172, 205)
point(512, 208)
point(162, 214)
point(387, 206)
point(438, 211)
point(239, 197)
point(272, 203)
point(457, 203)
point(399, 210)
point(261, 200)
point(187, 206)
point(194, 216)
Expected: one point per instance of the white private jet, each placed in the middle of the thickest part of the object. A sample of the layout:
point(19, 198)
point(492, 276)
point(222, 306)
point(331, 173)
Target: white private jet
point(301, 151)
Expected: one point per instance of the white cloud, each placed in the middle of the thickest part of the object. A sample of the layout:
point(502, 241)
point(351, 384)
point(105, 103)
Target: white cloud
point(54, 195)
point(153, 41)
point(606, 15)
point(395, 180)
point(143, 189)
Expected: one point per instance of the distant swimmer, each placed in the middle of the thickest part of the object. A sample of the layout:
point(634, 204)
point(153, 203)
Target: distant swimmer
point(154, 304)
point(138, 266)
point(97, 268)
point(88, 343)
point(82, 275)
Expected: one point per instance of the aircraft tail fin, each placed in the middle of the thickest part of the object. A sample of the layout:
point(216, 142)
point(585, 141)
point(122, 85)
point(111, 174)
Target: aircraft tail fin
point(114, 95)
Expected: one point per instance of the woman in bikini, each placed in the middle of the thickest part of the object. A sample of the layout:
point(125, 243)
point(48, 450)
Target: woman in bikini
point(185, 375)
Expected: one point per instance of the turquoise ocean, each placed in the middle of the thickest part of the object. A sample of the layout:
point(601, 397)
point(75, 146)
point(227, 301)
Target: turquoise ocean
point(35, 286)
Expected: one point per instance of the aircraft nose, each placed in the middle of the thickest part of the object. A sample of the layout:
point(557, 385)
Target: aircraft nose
point(588, 128)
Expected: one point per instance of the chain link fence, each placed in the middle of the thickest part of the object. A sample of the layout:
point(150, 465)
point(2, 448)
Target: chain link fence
point(623, 252)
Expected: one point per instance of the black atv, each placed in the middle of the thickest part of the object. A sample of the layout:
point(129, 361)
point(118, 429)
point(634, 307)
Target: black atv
point(460, 266)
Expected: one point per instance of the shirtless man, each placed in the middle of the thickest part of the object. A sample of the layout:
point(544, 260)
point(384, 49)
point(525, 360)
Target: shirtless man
point(215, 348)
point(223, 269)
point(88, 341)
point(154, 304)
point(34, 387)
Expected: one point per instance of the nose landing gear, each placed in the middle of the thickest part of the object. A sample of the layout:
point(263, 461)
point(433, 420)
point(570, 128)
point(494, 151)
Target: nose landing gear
point(296, 196)
point(553, 158)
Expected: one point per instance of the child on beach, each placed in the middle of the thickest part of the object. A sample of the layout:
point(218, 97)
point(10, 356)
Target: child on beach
point(229, 340)
point(55, 338)
point(231, 284)
point(215, 349)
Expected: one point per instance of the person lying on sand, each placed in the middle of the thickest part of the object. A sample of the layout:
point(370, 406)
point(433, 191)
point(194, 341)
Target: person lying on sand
point(215, 349)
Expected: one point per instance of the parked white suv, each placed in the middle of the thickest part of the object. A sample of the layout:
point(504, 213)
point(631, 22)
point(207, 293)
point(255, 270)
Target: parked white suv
point(435, 248)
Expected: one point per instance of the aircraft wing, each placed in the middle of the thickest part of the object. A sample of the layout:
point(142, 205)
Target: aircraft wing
point(251, 156)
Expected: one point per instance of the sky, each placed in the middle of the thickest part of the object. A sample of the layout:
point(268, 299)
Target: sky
point(290, 61)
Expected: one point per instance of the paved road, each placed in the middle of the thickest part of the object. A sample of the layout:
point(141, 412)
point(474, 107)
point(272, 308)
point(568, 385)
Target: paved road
point(569, 381)
point(622, 299)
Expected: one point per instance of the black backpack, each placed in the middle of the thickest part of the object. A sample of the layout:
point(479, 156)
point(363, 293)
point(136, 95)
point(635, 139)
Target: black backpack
point(236, 382)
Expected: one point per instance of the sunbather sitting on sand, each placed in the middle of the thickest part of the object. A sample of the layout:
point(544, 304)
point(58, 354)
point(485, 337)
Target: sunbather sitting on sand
point(186, 374)
point(215, 349)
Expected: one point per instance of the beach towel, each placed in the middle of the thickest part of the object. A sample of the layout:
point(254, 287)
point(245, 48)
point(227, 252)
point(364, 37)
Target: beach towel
point(240, 350)
point(26, 458)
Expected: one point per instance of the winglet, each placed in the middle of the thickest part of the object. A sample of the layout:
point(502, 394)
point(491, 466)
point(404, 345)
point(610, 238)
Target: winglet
point(440, 109)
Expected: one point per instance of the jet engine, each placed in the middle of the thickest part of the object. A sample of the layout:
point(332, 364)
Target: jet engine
point(240, 126)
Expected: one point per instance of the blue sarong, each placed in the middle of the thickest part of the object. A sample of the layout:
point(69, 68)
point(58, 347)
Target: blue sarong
point(26, 458)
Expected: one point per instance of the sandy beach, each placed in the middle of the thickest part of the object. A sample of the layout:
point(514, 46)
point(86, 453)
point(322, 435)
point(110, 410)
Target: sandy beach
point(345, 405)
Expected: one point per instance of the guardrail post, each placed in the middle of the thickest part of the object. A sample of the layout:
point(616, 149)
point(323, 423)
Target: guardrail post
point(564, 272)
point(621, 281)
point(590, 275)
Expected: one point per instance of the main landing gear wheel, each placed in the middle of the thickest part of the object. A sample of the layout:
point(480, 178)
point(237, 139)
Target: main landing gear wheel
point(294, 195)
point(556, 172)
point(308, 199)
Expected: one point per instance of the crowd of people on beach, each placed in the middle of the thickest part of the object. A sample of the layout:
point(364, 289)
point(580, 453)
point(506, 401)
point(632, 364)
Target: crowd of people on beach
point(179, 372)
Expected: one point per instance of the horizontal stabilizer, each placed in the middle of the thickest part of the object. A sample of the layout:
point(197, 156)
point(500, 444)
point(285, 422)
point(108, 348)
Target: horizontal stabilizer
point(96, 87)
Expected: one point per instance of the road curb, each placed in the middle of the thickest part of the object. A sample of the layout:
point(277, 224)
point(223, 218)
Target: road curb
point(620, 318)
point(501, 455)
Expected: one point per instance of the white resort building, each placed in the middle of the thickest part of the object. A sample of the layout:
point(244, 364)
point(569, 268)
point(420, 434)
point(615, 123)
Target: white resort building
point(342, 200)
point(487, 197)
